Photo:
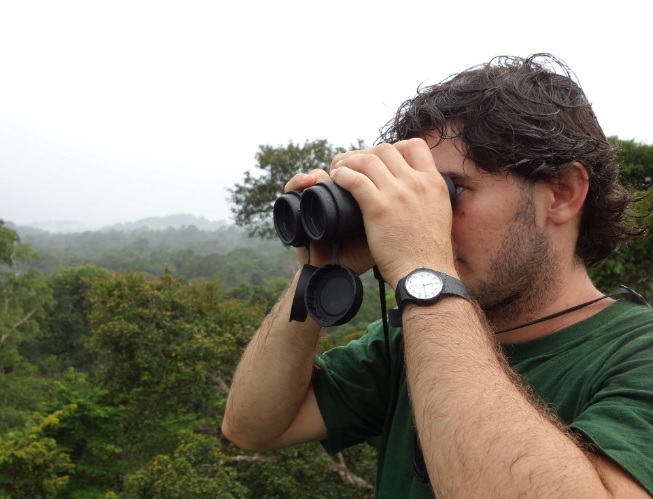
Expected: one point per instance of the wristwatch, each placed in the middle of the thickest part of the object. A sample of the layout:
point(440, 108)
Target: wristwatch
point(426, 286)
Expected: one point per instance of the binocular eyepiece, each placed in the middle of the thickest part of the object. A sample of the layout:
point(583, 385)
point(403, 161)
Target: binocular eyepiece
point(324, 212)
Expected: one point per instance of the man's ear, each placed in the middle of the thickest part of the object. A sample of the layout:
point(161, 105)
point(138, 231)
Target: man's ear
point(567, 194)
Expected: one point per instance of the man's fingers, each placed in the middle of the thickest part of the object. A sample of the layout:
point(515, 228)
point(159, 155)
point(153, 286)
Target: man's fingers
point(359, 185)
point(417, 154)
point(303, 181)
point(370, 165)
point(399, 159)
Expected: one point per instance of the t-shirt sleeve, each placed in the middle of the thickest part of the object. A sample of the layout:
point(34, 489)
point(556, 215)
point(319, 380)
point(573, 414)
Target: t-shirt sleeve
point(352, 388)
point(619, 418)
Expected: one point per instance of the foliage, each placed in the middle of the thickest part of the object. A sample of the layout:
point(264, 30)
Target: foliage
point(30, 463)
point(636, 162)
point(300, 472)
point(140, 366)
point(202, 466)
point(23, 294)
point(166, 354)
point(65, 329)
point(90, 434)
point(163, 341)
point(264, 296)
point(196, 468)
point(252, 200)
point(192, 252)
point(632, 264)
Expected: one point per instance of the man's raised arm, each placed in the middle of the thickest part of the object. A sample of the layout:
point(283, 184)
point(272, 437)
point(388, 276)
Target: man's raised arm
point(271, 402)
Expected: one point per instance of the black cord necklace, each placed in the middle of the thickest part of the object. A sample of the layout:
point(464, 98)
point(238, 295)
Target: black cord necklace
point(393, 317)
point(623, 290)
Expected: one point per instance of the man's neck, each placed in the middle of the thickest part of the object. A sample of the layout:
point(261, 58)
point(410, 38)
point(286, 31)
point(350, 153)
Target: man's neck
point(575, 290)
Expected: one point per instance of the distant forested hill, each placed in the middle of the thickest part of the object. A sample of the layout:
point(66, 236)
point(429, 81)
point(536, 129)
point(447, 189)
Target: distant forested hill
point(191, 251)
point(248, 268)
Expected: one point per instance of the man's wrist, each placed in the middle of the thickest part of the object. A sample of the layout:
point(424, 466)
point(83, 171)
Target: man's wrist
point(425, 287)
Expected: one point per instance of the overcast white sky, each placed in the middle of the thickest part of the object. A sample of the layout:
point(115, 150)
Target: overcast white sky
point(112, 111)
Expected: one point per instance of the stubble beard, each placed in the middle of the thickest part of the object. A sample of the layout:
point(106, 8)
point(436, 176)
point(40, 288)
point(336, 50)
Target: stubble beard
point(523, 273)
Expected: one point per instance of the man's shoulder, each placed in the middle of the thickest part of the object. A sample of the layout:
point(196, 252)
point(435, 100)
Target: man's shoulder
point(620, 316)
point(624, 314)
point(623, 327)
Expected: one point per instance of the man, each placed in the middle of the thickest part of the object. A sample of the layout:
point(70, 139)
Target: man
point(479, 396)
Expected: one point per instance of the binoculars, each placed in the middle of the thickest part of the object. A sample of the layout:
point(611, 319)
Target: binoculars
point(333, 293)
point(324, 212)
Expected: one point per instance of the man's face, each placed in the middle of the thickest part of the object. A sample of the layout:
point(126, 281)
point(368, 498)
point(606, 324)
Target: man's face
point(502, 252)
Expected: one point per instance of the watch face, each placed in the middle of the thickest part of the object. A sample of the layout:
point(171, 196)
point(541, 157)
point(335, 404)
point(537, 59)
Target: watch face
point(423, 284)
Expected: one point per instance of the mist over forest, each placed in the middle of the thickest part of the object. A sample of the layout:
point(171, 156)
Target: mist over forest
point(159, 234)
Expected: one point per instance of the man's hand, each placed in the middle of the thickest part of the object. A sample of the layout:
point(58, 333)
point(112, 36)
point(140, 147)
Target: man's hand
point(405, 205)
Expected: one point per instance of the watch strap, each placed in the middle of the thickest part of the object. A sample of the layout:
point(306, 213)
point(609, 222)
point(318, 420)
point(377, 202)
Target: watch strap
point(453, 286)
point(450, 287)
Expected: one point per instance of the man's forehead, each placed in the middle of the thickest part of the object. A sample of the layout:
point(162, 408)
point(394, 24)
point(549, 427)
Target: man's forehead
point(451, 159)
point(449, 149)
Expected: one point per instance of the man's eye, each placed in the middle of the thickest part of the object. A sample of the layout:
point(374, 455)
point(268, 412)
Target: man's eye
point(458, 189)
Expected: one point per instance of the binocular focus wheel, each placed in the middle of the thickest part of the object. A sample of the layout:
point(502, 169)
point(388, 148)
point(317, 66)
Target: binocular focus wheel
point(333, 295)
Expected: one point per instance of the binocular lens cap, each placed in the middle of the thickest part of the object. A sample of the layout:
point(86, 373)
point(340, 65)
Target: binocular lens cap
point(298, 310)
point(333, 295)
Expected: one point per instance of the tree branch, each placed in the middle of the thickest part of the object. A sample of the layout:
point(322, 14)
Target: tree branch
point(26, 318)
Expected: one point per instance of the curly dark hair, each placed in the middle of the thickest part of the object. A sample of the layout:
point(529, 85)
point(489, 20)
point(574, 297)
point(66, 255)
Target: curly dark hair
point(527, 116)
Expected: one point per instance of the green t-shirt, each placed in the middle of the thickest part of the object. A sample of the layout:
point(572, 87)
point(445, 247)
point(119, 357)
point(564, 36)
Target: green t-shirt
point(597, 375)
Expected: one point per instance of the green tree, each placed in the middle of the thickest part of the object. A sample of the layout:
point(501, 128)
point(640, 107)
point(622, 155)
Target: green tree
point(303, 470)
point(632, 264)
point(89, 435)
point(265, 296)
point(64, 328)
point(166, 353)
point(30, 463)
point(196, 468)
point(636, 161)
point(252, 200)
point(23, 294)
point(202, 466)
